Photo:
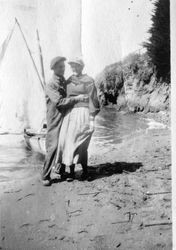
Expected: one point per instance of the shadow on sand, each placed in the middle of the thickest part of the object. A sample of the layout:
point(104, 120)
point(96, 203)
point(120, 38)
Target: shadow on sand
point(108, 169)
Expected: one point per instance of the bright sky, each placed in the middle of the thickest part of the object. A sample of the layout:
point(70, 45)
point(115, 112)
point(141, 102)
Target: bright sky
point(110, 30)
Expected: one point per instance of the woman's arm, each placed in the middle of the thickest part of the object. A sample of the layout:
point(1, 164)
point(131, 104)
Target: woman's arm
point(94, 105)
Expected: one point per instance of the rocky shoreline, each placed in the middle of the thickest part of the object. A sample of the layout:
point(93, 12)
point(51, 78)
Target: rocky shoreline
point(132, 85)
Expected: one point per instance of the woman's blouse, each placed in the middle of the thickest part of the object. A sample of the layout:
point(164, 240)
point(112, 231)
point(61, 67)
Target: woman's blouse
point(84, 86)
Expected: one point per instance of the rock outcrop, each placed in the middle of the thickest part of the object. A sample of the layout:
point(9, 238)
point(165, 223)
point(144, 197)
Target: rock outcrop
point(133, 85)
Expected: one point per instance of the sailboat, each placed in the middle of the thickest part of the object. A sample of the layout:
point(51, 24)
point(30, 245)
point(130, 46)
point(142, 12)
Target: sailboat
point(34, 140)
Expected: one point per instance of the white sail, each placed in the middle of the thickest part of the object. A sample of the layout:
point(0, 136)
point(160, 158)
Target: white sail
point(22, 100)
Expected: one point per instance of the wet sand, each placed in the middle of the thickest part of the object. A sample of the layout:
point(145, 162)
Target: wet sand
point(127, 205)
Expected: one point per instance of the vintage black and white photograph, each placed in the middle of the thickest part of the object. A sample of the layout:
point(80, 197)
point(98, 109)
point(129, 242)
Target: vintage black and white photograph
point(85, 125)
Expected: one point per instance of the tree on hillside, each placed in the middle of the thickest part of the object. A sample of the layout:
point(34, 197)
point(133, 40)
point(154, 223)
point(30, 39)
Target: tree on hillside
point(158, 45)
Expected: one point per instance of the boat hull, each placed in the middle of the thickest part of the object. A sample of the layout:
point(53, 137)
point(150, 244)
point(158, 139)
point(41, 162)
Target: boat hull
point(35, 142)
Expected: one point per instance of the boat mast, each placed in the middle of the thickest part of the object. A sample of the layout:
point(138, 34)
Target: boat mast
point(35, 67)
point(41, 58)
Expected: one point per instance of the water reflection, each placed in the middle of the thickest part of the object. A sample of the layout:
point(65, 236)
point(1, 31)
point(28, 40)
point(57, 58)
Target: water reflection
point(15, 160)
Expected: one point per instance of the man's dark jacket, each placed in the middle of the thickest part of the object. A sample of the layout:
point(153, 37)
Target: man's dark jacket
point(57, 103)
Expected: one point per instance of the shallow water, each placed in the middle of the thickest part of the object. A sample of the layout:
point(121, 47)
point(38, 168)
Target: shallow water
point(111, 128)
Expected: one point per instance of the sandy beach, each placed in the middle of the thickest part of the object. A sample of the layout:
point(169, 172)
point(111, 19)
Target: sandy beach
point(129, 197)
point(62, 65)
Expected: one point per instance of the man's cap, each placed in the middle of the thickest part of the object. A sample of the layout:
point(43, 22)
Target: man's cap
point(56, 60)
point(77, 61)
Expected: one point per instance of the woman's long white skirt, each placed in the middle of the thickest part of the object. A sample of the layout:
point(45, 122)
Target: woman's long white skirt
point(74, 138)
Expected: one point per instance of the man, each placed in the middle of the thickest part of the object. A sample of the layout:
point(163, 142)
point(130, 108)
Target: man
point(57, 103)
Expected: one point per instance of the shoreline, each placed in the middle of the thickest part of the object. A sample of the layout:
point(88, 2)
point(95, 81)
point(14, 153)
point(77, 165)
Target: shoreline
point(130, 192)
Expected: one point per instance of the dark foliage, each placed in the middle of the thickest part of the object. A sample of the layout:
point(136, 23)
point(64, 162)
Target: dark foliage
point(158, 46)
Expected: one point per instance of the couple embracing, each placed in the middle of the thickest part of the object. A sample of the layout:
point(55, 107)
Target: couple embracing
point(71, 108)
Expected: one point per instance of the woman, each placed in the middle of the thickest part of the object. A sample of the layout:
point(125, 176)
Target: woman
point(78, 122)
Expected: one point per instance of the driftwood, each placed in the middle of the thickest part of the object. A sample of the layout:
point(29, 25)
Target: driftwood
point(95, 193)
point(131, 216)
point(118, 222)
point(13, 191)
point(21, 198)
point(25, 225)
point(158, 224)
point(158, 193)
point(72, 212)
point(163, 178)
point(116, 205)
point(83, 231)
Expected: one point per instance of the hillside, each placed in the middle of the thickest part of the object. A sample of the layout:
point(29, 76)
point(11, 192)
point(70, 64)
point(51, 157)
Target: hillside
point(132, 85)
